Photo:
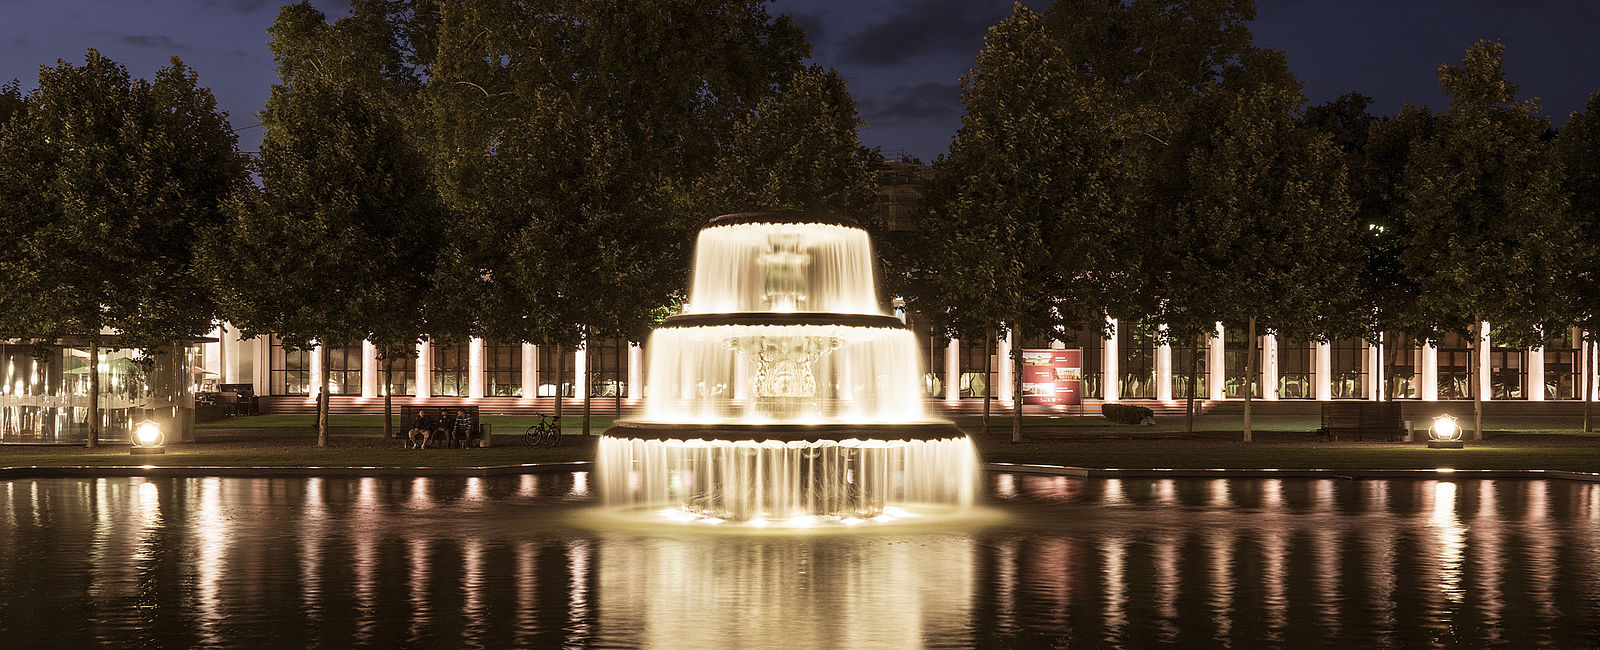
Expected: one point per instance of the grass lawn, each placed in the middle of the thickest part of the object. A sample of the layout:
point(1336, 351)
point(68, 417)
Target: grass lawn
point(1281, 442)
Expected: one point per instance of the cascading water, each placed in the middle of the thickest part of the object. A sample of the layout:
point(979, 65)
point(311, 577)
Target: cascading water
point(783, 392)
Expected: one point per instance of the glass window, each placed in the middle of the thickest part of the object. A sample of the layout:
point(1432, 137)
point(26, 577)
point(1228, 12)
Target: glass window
point(555, 371)
point(449, 365)
point(402, 376)
point(1294, 370)
point(1454, 370)
point(609, 364)
point(1189, 365)
point(1236, 360)
point(344, 370)
point(1401, 356)
point(1347, 363)
point(288, 371)
point(502, 370)
point(1561, 365)
point(975, 384)
point(1090, 340)
point(1506, 373)
point(1136, 367)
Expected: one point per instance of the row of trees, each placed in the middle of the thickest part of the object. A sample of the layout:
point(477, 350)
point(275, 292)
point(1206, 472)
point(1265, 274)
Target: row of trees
point(429, 170)
point(1145, 160)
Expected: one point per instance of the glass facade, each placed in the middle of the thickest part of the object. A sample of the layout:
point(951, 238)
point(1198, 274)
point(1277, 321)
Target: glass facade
point(502, 370)
point(1562, 362)
point(1294, 370)
point(44, 397)
point(344, 370)
point(288, 371)
point(1189, 366)
point(555, 372)
point(1347, 363)
point(1454, 367)
point(1507, 374)
point(1136, 369)
point(450, 366)
point(1092, 342)
point(1235, 362)
point(975, 384)
point(402, 376)
point(608, 364)
point(1400, 359)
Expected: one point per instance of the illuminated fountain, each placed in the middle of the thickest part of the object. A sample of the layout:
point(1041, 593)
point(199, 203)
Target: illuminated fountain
point(784, 392)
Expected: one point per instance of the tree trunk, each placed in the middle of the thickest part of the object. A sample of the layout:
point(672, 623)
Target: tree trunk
point(588, 377)
point(388, 402)
point(322, 398)
point(1474, 383)
point(1249, 377)
point(1016, 391)
point(1194, 377)
point(988, 379)
point(93, 416)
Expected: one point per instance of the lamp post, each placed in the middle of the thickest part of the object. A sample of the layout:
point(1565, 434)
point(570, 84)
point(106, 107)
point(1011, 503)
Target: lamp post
point(1445, 433)
point(147, 439)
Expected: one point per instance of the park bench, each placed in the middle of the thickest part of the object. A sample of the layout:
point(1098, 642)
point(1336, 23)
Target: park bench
point(480, 431)
point(1361, 419)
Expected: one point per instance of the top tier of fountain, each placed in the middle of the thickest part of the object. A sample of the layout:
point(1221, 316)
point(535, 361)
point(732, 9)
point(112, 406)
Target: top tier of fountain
point(783, 262)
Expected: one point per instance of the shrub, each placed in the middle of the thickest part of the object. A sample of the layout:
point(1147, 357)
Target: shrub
point(1127, 413)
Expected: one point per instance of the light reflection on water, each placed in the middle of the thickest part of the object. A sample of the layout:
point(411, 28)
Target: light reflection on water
point(495, 562)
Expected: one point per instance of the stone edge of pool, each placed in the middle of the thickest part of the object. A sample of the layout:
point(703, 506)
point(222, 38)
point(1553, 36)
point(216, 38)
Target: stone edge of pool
point(34, 471)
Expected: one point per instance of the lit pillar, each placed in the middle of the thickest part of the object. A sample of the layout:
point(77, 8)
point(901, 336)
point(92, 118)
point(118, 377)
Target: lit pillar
point(1003, 360)
point(262, 352)
point(1535, 380)
point(1373, 362)
point(1108, 363)
point(316, 371)
point(1483, 361)
point(213, 354)
point(233, 351)
point(530, 371)
point(1429, 384)
point(580, 362)
point(1322, 371)
point(370, 371)
point(1269, 366)
point(474, 367)
point(952, 370)
point(424, 370)
point(1216, 366)
point(635, 371)
point(1163, 367)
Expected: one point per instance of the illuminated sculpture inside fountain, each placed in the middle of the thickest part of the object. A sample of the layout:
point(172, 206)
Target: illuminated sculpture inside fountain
point(784, 392)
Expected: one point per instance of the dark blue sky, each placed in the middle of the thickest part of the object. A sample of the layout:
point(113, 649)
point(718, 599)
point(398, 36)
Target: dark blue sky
point(903, 58)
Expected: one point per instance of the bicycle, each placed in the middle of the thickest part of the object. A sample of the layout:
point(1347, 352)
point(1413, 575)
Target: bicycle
point(545, 433)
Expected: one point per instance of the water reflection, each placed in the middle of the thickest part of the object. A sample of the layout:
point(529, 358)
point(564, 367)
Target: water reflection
point(506, 561)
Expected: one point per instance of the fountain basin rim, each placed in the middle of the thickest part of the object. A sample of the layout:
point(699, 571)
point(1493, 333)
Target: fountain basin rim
point(784, 432)
point(824, 318)
point(783, 217)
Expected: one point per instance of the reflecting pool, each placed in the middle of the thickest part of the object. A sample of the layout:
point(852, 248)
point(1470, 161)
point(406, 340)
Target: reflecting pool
point(525, 560)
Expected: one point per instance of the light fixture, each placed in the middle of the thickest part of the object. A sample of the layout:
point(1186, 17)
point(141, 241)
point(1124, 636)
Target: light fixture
point(147, 439)
point(1445, 433)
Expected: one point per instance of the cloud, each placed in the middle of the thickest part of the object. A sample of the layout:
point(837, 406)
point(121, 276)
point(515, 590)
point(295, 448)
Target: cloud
point(923, 28)
point(155, 43)
point(243, 6)
point(812, 23)
point(925, 102)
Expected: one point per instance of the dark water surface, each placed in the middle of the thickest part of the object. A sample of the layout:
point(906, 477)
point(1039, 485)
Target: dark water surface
point(519, 561)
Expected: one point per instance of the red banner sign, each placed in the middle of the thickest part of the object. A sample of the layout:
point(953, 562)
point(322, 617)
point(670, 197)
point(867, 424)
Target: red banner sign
point(1052, 377)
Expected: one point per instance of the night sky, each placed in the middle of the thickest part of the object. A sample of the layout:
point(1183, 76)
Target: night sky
point(903, 58)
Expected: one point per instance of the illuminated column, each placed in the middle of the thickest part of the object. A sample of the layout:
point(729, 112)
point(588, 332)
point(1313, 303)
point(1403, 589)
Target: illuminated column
point(370, 371)
point(1164, 367)
point(213, 355)
point(580, 362)
point(474, 367)
point(952, 371)
point(1108, 363)
point(1429, 384)
point(1216, 366)
point(635, 371)
point(1003, 360)
point(233, 351)
point(424, 370)
point(1483, 360)
point(1373, 360)
point(1322, 371)
point(316, 371)
point(263, 355)
point(1535, 368)
point(530, 371)
point(1269, 366)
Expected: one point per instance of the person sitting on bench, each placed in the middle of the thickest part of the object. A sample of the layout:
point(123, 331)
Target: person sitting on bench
point(422, 430)
point(461, 429)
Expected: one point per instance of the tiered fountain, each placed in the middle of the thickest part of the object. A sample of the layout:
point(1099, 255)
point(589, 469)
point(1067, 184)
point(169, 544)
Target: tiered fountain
point(784, 392)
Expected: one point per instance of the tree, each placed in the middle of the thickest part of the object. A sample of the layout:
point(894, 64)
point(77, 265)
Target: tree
point(574, 136)
point(1578, 151)
point(345, 191)
point(1022, 225)
point(1487, 230)
point(103, 182)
